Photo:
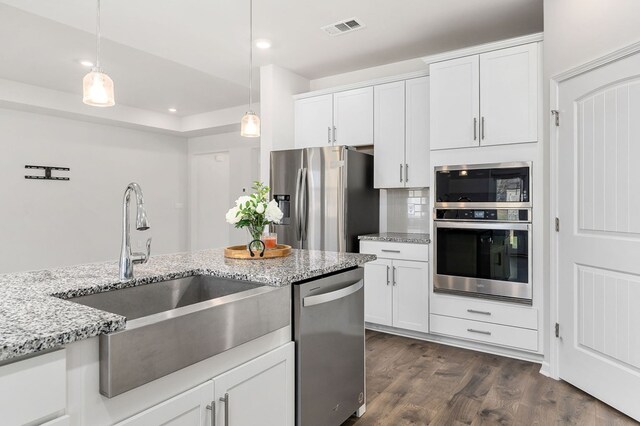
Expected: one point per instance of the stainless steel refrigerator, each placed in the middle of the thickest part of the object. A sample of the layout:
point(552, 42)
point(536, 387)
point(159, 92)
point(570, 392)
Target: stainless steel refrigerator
point(327, 197)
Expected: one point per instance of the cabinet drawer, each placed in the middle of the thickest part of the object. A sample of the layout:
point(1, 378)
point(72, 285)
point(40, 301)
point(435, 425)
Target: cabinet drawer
point(390, 250)
point(520, 338)
point(480, 310)
point(33, 388)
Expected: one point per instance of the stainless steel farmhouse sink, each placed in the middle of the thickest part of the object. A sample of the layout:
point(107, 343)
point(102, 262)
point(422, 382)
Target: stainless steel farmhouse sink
point(173, 324)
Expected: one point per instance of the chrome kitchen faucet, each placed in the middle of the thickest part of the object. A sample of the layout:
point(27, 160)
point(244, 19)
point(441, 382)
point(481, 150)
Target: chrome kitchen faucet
point(128, 259)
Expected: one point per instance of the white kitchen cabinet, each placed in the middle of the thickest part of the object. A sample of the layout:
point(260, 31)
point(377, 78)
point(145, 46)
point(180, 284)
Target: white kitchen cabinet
point(389, 135)
point(186, 409)
point(486, 99)
point(341, 118)
point(509, 95)
point(378, 292)
point(417, 133)
point(314, 121)
point(38, 388)
point(401, 134)
point(455, 103)
point(411, 295)
point(396, 292)
point(260, 392)
point(353, 117)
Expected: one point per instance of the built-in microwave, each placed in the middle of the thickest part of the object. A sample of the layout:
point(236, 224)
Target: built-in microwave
point(500, 185)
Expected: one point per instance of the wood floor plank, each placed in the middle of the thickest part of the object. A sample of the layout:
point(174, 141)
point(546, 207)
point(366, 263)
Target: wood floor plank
point(412, 382)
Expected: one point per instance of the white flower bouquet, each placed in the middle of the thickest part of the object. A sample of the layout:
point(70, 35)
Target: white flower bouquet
point(254, 212)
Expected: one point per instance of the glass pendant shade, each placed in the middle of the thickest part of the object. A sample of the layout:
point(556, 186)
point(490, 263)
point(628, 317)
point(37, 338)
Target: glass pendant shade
point(97, 89)
point(250, 125)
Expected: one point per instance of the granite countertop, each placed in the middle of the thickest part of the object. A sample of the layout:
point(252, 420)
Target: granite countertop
point(398, 237)
point(34, 316)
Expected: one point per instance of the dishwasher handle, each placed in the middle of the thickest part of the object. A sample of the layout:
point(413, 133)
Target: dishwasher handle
point(334, 295)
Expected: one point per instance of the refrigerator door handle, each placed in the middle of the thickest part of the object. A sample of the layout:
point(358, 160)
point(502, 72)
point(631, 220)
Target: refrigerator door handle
point(297, 206)
point(304, 206)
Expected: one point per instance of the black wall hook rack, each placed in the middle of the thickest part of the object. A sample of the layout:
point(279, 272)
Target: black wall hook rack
point(47, 172)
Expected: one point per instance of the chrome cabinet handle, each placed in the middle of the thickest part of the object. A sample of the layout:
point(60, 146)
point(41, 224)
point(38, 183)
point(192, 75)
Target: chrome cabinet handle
point(388, 282)
point(473, 311)
point(393, 275)
point(400, 172)
point(482, 129)
point(475, 129)
point(390, 251)
point(406, 172)
point(335, 133)
point(225, 399)
point(329, 134)
point(471, 330)
point(212, 408)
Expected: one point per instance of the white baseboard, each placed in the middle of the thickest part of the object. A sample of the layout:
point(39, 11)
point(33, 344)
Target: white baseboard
point(464, 344)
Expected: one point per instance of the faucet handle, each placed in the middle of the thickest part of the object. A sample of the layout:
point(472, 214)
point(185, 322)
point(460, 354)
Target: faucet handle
point(142, 258)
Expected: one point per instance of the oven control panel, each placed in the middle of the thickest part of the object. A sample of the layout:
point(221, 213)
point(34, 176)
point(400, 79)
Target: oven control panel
point(497, 215)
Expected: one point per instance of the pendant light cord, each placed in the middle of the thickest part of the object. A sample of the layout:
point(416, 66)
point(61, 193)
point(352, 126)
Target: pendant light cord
point(250, 53)
point(98, 36)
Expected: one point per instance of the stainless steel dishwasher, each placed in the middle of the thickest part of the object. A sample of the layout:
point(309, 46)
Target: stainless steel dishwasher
point(329, 334)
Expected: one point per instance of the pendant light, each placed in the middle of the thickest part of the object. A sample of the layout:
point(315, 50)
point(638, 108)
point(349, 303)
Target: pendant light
point(97, 87)
point(250, 123)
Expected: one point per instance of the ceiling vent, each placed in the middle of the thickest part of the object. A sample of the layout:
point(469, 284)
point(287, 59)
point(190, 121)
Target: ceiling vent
point(343, 27)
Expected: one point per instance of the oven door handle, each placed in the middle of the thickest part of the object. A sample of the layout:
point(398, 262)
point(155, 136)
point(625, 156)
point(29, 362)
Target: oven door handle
point(483, 225)
point(331, 296)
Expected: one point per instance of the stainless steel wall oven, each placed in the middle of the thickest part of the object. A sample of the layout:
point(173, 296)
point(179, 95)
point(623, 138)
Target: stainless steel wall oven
point(482, 231)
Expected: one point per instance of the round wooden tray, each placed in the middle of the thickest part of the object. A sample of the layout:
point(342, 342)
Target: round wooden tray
point(241, 252)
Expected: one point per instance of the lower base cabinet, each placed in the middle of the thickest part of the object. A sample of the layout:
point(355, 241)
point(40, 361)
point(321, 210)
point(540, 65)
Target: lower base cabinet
point(260, 391)
point(397, 294)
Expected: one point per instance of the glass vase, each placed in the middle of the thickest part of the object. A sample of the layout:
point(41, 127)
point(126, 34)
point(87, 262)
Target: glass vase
point(255, 233)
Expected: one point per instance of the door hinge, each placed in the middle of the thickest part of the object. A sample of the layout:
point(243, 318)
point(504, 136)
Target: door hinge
point(556, 114)
point(557, 329)
point(557, 224)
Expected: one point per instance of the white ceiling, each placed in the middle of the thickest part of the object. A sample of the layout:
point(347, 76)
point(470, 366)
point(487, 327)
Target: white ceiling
point(193, 54)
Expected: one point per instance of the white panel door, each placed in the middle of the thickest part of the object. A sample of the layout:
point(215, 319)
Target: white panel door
point(417, 133)
point(378, 292)
point(209, 200)
point(509, 95)
point(187, 409)
point(259, 392)
point(353, 117)
point(599, 239)
point(411, 295)
point(313, 121)
point(388, 135)
point(454, 103)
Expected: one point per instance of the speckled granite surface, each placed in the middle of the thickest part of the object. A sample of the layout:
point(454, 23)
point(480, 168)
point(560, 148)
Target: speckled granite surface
point(398, 237)
point(33, 316)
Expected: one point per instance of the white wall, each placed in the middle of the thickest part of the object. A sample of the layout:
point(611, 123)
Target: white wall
point(387, 70)
point(244, 164)
point(277, 86)
point(45, 224)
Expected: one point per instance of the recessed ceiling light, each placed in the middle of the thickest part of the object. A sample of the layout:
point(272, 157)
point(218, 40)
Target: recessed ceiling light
point(86, 63)
point(263, 43)
point(173, 110)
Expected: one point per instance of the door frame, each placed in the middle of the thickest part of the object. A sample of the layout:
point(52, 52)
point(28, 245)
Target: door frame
point(554, 135)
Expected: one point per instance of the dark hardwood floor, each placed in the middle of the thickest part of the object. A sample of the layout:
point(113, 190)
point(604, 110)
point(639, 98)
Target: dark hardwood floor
point(411, 382)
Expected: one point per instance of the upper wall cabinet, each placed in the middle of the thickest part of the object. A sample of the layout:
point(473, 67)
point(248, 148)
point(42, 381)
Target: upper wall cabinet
point(343, 118)
point(401, 134)
point(353, 117)
point(314, 121)
point(486, 99)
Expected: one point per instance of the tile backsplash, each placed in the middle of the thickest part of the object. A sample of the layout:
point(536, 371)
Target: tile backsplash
point(408, 210)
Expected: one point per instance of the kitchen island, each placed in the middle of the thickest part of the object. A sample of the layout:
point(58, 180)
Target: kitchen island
point(35, 319)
